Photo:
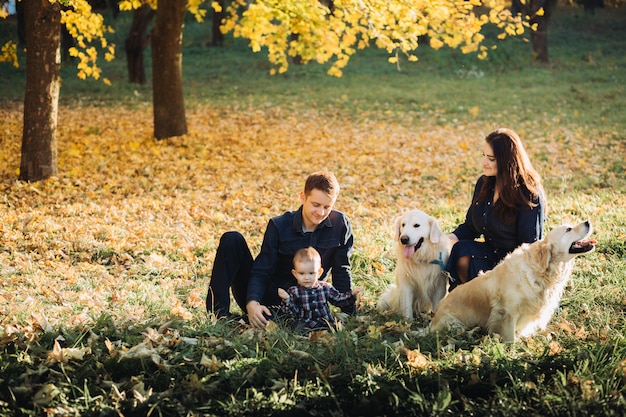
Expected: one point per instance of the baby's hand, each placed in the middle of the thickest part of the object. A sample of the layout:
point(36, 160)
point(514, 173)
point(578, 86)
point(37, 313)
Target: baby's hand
point(283, 294)
point(357, 291)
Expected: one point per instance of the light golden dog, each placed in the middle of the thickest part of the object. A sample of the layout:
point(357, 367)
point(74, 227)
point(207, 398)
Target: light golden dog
point(520, 295)
point(422, 252)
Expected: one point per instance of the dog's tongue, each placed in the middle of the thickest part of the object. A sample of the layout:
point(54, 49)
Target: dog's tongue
point(409, 251)
point(584, 243)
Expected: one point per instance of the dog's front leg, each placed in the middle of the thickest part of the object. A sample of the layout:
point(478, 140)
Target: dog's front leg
point(507, 328)
point(502, 323)
point(405, 301)
point(439, 292)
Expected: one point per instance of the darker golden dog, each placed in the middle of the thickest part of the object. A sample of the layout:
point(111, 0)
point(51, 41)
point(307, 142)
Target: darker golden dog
point(520, 295)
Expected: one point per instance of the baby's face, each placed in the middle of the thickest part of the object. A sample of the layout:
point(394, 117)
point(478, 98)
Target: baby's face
point(306, 273)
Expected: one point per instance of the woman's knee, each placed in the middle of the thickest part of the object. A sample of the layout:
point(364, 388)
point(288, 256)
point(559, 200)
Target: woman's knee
point(464, 262)
point(463, 265)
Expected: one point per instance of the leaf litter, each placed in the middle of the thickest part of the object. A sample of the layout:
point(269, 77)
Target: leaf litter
point(129, 227)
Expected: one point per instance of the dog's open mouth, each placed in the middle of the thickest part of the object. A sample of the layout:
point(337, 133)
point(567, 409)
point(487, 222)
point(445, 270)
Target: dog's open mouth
point(582, 246)
point(410, 250)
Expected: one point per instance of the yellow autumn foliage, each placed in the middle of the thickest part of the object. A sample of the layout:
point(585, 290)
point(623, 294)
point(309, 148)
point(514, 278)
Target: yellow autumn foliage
point(311, 31)
point(8, 53)
point(88, 30)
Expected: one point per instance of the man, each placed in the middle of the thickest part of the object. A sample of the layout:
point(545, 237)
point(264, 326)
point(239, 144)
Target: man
point(255, 283)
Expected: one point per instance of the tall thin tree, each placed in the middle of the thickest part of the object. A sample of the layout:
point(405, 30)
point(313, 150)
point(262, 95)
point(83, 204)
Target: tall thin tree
point(41, 98)
point(539, 13)
point(137, 41)
point(167, 79)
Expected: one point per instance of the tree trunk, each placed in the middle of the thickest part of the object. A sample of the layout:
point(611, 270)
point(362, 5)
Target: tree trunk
point(540, 36)
point(136, 43)
point(218, 37)
point(21, 31)
point(41, 98)
point(167, 78)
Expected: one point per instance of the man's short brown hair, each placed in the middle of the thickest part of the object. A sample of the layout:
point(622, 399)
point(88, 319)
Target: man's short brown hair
point(324, 181)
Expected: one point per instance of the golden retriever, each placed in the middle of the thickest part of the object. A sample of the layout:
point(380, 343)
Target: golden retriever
point(422, 251)
point(520, 295)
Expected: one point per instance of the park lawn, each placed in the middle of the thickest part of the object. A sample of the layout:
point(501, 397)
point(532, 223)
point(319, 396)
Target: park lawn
point(105, 267)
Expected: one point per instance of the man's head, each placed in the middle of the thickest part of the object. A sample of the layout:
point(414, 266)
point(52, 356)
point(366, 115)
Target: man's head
point(320, 193)
point(324, 181)
point(307, 266)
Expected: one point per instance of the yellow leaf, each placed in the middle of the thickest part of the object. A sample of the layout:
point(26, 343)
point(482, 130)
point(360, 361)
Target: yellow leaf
point(212, 364)
point(555, 348)
point(417, 360)
point(271, 326)
point(565, 326)
point(56, 355)
point(110, 347)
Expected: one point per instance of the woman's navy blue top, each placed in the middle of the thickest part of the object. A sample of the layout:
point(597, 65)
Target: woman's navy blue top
point(503, 238)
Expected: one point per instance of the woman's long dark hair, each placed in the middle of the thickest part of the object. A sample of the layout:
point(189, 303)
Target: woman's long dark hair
point(517, 182)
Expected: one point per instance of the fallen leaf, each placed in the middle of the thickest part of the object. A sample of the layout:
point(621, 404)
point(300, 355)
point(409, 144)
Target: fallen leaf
point(417, 360)
point(45, 395)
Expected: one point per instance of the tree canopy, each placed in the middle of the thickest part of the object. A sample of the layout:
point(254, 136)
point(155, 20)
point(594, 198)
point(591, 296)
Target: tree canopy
point(313, 30)
point(324, 31)
point(88, 30)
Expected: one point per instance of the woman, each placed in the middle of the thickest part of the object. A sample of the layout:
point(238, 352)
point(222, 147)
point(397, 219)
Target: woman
point(508, 209)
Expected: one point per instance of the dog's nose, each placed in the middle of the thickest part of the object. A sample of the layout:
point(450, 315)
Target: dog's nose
point(587, 224)
point(404, 240)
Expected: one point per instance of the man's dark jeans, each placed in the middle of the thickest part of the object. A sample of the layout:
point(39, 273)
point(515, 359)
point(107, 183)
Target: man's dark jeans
point(231, 269)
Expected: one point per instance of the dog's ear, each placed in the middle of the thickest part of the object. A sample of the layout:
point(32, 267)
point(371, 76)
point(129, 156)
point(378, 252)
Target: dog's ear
point(396, 228)
point(435, 231)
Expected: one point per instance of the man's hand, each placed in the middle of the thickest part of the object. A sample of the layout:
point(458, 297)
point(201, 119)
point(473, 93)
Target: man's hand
point(257, 313)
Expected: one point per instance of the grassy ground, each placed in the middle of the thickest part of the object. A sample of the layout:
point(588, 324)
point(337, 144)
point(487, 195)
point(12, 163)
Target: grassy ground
point(104, 269)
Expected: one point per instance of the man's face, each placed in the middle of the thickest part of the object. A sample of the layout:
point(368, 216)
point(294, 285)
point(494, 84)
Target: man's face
point(315, 208)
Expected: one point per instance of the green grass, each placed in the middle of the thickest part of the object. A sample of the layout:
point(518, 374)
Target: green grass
point(570, 112)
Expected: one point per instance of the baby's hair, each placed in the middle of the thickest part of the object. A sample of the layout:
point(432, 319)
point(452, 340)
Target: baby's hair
point(307, 255)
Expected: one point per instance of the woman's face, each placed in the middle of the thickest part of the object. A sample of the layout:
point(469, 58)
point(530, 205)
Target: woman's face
point(489, 163)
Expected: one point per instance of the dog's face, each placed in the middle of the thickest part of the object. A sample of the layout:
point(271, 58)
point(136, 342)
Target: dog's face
point(569, 241)
point(413, 228)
